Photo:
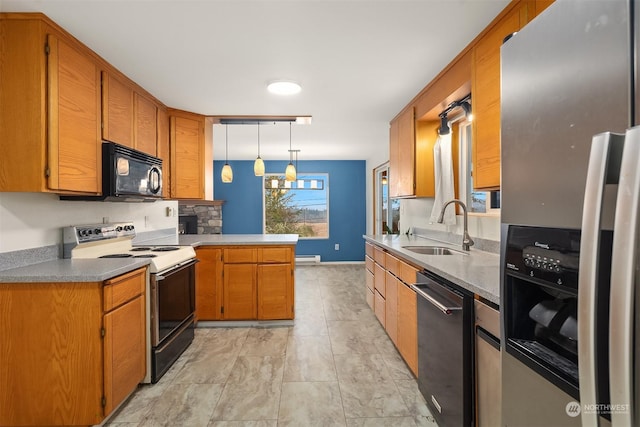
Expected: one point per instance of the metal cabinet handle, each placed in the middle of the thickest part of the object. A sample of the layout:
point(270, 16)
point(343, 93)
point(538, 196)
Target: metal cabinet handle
point(443, 308)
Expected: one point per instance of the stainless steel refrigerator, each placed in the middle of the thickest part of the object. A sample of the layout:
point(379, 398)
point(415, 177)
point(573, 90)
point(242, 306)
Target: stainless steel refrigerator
point(570, 188)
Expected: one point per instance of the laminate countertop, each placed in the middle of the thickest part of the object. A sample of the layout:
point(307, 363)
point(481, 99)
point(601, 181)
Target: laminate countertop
point(98, 270)
point(476, 271)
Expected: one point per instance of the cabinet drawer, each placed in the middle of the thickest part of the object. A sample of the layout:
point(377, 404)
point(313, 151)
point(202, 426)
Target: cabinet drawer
point(369, 280)
point(392, 264)
point(369, 263)
point(379, 307)
point(369, 297)
point(368, 249)
point(487, 318)
point(378, 256)
point(379, 278)
point(274, 255)
point(121, 289)
point(240, 255)
point(407, 273)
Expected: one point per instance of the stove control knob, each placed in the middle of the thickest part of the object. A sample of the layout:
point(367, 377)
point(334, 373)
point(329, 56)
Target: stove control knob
point(118, 229)
point(97, 231)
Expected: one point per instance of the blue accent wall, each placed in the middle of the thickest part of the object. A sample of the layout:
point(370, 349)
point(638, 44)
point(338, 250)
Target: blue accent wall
point(242, 211)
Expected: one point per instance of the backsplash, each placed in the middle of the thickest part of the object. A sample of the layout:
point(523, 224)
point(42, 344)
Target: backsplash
point(35, 220)
point(483, 229)
point(209, 216)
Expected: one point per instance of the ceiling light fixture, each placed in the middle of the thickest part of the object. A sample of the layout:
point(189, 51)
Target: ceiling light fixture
point(290, 172)
point(227, 173)
point(258, 165)
point(284, 87)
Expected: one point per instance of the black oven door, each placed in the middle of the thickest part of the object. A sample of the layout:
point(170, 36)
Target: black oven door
point(172, 300)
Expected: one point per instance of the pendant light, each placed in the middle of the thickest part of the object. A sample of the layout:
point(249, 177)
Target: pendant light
point(258, 165)
point(227, 173)
point(290, 172)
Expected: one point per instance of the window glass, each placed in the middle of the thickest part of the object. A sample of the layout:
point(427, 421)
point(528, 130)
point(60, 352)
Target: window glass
point(298, 207)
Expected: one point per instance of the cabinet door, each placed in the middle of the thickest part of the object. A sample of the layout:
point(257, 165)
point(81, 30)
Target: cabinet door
point(187, 164)
point(379, 307)
point(164, 150)
point(74, 119)
point(275, 291)
point(408, 326)
point(239, 291)
point(369, 288)
point(379, 279)
point(486, 102)
point(240, 255)
point(117, 110)
point(275, 255)
point(402, 155)
point(146, 123)
point(208, 283)
point(124, 351)
point(391, 307)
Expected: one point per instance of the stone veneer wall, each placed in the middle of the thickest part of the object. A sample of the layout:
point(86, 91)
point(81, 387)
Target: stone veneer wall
point(209, 216)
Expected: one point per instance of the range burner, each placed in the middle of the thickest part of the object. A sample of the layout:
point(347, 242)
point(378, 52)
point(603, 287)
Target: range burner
point(116, 256)
point(146, 256)
point(140, 249)
point(165, 249)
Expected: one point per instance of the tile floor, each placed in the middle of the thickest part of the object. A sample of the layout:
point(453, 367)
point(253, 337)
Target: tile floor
point(335, 367)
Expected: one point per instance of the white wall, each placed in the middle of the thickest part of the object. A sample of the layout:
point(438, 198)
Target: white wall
point(31, 220)
point(416, 213)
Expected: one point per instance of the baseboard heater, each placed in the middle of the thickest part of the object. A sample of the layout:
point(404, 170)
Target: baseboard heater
point(307, 259)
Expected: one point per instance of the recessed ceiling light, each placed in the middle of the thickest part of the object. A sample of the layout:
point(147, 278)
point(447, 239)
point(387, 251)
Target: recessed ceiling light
point(283, 87)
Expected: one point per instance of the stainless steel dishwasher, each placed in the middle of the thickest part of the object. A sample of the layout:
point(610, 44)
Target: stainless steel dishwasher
point(445, 349)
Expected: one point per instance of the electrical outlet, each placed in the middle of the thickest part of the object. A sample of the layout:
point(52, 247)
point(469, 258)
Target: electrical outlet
point(337, 246)
point(169, 211)
point(105, 220)
point(146, 221)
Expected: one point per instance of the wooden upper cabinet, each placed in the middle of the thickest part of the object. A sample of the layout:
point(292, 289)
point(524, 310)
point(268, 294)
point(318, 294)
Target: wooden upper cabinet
point(486, 92)
point(117, 110)
point(164, 150)
point(187, 155)
point(402, 155)
point(146, 124)
point(49, 109)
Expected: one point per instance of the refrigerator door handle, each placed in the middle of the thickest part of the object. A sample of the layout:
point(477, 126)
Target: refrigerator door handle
point(598, 175)
point(623, 278)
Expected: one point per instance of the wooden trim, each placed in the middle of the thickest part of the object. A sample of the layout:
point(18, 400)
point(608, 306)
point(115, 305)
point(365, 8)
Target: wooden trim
point(197, 202)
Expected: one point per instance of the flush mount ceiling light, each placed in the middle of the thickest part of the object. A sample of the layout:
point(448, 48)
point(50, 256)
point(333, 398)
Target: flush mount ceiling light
point(284, 87)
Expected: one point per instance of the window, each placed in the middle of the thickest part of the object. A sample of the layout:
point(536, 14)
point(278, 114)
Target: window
point(476, 201)
point(299, 207)
point(387, 210)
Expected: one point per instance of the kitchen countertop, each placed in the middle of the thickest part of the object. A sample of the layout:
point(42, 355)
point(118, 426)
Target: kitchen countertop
point(72, 270)
point(98, 270)
point(475, 271)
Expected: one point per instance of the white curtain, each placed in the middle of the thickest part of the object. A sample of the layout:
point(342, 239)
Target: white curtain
point(443, 169)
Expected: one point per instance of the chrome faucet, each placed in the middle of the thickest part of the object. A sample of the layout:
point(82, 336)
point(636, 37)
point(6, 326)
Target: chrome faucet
point(466, 239)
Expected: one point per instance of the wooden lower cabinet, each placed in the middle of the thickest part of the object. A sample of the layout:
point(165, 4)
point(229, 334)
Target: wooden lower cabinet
point(408, 326)
point(391, 307)
point(208, 283)
point(64, 359)
point(240, 292)
point(379, 307)
point(245, 282)
point(369, 287)
point(275, 293)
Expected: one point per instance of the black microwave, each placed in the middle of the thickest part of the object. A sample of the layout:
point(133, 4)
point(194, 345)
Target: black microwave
point(128, 175)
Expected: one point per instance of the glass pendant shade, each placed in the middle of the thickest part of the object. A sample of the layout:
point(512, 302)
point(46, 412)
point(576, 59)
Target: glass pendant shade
point(290, 173)
point(227, 173)
point(258, 167)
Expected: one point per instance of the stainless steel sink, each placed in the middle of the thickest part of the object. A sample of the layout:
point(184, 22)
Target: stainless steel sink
point(433, 250)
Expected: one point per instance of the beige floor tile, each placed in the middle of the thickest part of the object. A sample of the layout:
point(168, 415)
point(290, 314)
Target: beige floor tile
point(266, 342)
point(311, 404)
point(381, 422)
point(350, 336)
point(364, 400)
point(257, 400)
point(184, 405)
point(309, 358)
point(259, 423)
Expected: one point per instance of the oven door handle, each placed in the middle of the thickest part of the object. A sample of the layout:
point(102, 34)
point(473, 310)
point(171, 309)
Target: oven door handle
point(161, 275)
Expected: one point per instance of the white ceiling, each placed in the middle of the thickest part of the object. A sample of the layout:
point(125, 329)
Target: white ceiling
point(359, 62)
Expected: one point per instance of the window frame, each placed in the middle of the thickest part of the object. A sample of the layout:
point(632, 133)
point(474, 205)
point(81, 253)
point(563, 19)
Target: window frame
point(300, 176)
